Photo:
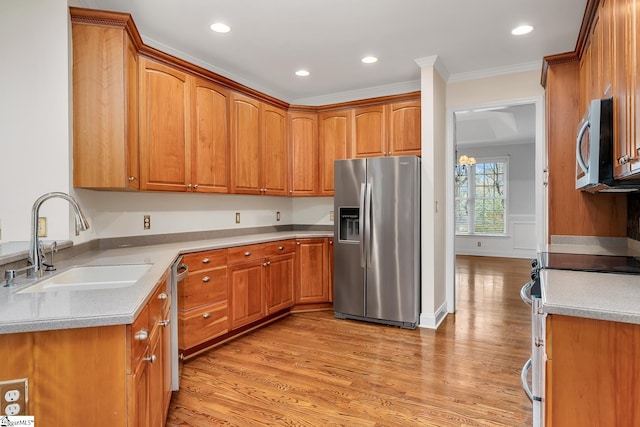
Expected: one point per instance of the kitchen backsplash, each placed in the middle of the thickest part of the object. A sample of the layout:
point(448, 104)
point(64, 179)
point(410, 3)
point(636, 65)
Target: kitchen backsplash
point(633, 216)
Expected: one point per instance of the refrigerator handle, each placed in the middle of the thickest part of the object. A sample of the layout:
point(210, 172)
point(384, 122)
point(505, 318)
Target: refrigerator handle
point(367, 224)
point(361, 223)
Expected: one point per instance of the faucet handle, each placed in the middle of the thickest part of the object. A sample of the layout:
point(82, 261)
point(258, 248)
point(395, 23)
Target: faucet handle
point(9, 276)
point(54, 249)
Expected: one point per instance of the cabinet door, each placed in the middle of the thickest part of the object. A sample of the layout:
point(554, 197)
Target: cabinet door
point(312, 285)
point(404, 128)
point(279, 274)
point(303, 146)
point(245, 145)
point(156, 380)
point(105, 108)
point(210, 149)
point(274, 162)
point(369, 130)
point(165, 133)
point(335, 144)
point(246, 293)
point(138, 406)
point(165, 331)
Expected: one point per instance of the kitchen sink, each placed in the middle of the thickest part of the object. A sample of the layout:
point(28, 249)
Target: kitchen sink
point(90, 277)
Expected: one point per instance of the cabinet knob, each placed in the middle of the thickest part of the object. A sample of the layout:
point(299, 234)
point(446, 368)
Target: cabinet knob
point(151, 359)
point(280, 248)
point(132, 178)
point(141, 335)
point(247, 253)
point(268, 262)
point(162, 296)
point(195, 186)
point(331, 242)
point(206, 279)
point(164, 323)
point(206, 315)
point(206, 261)
point(298, 243)
point(189, 186)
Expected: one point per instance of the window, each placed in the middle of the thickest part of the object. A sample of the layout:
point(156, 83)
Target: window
point(480, 197)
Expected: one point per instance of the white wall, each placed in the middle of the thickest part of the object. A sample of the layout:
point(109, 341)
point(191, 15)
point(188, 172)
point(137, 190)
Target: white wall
point(34, 115)
point(520, 241)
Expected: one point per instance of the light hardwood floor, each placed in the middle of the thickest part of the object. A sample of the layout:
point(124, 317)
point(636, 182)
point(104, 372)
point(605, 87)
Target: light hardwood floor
point(310, 369)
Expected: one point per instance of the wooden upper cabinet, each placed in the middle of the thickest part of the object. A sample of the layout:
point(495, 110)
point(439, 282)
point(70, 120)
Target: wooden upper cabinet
point(245, 144)
point(165, 127)
point(274, 159)
point(105, 108)
point(369, 132)
point(334, 131)
point(404, 128)
point(303, 148)
point(210, 149)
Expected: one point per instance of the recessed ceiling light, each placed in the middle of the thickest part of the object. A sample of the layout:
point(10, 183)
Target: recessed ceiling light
point(521, 30)
point(302, 73)
point(369, 59)
point(219, 27)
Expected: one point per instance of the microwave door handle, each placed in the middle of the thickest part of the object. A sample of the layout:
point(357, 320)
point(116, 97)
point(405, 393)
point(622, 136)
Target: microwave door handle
point(581, 162)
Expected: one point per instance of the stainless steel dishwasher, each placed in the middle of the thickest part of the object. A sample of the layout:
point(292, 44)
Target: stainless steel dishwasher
point(179, 271)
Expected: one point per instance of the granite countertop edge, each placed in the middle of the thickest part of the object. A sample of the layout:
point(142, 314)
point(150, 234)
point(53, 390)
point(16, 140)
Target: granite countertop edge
point(33, 312)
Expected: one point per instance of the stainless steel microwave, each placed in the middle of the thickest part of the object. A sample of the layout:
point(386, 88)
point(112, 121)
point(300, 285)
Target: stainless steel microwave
point(594, 151)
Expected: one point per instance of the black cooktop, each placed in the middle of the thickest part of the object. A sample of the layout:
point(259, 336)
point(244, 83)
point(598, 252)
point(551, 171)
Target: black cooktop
point(593, 263)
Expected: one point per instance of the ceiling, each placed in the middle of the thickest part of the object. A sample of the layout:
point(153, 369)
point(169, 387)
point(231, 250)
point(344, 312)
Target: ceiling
point(271, 39)
point(513, 124)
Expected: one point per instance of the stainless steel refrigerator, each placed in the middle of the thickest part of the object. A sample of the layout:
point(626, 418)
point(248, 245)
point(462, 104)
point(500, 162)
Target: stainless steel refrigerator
point(377, 240)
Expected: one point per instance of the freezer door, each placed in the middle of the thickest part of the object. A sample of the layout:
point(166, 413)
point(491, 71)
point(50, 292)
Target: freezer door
point(393, 252)
point(348, 281)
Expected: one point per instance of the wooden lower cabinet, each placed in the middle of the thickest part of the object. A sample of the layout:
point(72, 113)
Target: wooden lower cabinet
point(246, 293)
point(279, 281)
point(592, 372)
point(98, 376)
point(313, 283)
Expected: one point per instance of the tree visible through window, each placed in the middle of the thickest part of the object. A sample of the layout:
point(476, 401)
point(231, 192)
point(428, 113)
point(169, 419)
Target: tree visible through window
point(480, 197)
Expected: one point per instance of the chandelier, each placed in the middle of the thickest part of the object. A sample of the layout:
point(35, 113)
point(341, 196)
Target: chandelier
point(466, 161)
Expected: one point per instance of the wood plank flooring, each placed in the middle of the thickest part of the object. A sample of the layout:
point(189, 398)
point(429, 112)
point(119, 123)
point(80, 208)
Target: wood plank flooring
point(310, 369)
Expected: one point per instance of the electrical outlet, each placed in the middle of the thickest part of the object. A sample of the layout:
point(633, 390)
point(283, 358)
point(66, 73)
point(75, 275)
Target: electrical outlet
point(14, 396)
point(278, 216)
point(42, 226)
point(237, 217)
point(147, 222)
point(12, 409)
point(479, 244)
point(330, 215)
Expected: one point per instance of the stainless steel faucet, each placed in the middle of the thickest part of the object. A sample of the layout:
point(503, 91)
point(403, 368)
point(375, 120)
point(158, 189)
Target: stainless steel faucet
point(36, 254)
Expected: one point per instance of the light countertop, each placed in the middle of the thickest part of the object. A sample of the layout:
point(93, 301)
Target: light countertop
point(65, 309)
point(603, 296)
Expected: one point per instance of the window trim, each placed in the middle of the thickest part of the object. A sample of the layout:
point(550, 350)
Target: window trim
point(480, 160)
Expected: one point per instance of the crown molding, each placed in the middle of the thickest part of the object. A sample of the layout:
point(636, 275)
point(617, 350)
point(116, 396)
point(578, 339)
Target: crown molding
point(435, 62)
point(496, 71)
point(354, 95)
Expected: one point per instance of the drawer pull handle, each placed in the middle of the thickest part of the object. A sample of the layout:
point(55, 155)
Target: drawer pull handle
point(247, 253)
point(141, 335)
point(163, 296)
point(206, 261)
point(206, 279)
point(206, 315)
point(151, 359)
point(164, 322)
point(280, 248)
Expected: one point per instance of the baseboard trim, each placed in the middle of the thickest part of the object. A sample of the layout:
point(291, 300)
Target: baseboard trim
point(432, 321)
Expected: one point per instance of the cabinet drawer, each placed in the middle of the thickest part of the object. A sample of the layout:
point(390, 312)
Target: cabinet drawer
point(203, 324)
point(280, 247)
point(204, 260)
point(246, 253)
point(203, 288)
point(158, 306)
point(139, 336)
